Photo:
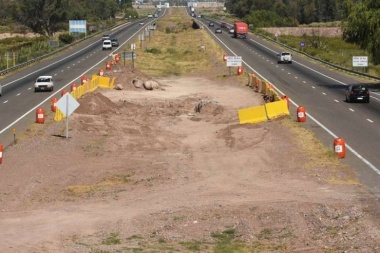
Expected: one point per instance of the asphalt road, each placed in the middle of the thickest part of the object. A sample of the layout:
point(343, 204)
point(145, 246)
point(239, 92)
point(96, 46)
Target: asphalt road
point(321, 91)
point(19, 101)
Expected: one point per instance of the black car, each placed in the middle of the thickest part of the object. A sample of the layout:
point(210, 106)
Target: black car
point(115, 43)
point(218, 30)
point(357, 92)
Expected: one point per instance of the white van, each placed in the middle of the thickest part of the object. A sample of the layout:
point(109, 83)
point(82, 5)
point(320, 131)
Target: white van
point(107, 44)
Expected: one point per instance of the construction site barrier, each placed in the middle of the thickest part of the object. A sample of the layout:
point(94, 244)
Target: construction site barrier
point(253, 115)
point(275, 106)
point(95, 82)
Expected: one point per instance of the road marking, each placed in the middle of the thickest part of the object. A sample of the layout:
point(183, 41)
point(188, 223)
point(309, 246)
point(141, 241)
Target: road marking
point(29, 88)
point(313, 87)
point(288, 73)
point(18, 94)
point(352, 110)
point(324, 93)
point(304, 81)
point(296, 77)
point(365, 161)
point(370, 120)
point(336, 101)
point(6, 101)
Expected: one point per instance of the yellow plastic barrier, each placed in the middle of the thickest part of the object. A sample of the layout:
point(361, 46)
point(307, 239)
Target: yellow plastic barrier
point(58, 115)
point(90, 86)
point(252, 115)
point(277, 109)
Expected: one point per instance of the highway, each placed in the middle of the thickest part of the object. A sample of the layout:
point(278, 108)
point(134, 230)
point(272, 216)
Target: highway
point(19, 101)
point(322, 92)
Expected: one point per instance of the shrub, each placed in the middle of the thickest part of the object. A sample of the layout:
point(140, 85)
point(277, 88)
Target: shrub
point(66, 38)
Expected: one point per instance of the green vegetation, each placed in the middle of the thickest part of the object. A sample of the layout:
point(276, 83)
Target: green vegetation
point(359, 19)
point(112, 239)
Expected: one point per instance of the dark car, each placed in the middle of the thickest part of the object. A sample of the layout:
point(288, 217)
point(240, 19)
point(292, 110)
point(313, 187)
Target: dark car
point(357, 92)
point(115, 43)
point(211, 24)
point(223, 25)
point(218, 30)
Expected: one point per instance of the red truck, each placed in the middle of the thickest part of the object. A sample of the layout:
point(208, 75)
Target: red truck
point(240, 29)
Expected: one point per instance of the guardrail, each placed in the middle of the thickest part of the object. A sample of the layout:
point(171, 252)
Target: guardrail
point(21, 65)
point(317, 59)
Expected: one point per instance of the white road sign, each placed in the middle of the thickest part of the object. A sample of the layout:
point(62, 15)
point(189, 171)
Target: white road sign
point(67, 104)
point(234, 61)
point(360, 61)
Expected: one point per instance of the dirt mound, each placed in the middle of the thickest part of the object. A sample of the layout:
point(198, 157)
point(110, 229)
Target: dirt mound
point(125, 75)
point(95, 103)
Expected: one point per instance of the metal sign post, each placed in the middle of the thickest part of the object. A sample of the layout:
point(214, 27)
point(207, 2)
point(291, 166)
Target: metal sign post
point(67, 105)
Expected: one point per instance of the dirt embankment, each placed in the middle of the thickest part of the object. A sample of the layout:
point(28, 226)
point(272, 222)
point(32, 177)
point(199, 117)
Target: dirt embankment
point(171, 169)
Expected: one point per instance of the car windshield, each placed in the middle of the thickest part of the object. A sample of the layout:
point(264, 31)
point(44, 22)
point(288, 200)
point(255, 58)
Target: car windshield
point(285, 53)
point(43, 79)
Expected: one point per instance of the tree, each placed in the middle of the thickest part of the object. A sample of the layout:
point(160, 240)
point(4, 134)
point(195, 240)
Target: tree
point(362, 26)
point(42, 16)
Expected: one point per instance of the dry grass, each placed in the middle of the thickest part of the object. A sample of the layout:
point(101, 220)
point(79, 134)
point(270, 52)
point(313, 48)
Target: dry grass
point(175, 48)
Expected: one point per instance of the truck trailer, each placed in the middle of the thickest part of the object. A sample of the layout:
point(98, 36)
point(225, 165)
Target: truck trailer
point(240, 29)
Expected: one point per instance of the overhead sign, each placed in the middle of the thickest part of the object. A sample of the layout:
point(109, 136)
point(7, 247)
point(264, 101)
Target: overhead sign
point(77, 26)
point(234, 61)
point(360, 61)
point(67, 104)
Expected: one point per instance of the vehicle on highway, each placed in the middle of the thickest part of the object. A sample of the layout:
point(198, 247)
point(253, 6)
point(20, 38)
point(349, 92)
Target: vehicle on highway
point(356, 93)
point(1, 90)
point(114, 42)
point(199, 16)
point(218, 30)
point(106, 37)
point(231, 30)
point(150, 15)
point(211, 24)
point(107, 44)
point(44, 83)
point(240, 29)
point(141, 23)
point(284, 57)
point(223, 25)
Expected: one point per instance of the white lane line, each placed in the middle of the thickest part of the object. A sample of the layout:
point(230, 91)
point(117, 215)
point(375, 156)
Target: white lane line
point(336, 101)
point(6, 101)
point(57, 91)
point(18, 94)
point(370, 120)
point(324, 93)
point(288, 73)
point(304, 81)
point(313, 87)
point(365, 161)
point(352, 110)
point(29, 88)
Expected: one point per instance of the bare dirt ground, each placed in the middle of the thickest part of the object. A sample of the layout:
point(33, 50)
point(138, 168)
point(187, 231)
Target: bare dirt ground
point(143, 171)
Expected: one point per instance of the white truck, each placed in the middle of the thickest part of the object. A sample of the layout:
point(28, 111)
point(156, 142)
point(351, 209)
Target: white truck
point(284, 57)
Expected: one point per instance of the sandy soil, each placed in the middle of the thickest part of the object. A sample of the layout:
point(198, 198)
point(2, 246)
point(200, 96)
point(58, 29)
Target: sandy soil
point(143, 171)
